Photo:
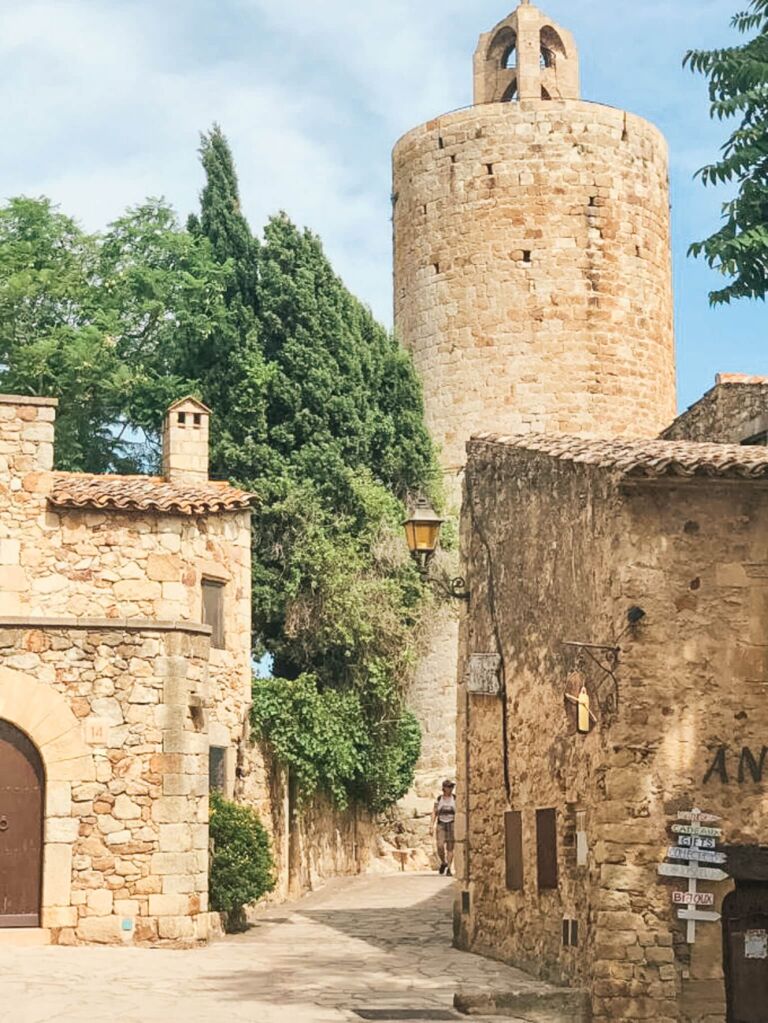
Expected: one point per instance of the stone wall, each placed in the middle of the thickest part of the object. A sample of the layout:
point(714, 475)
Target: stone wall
point(100, 627)
point(573, 548)
point(733, 411)
point(532, 271)
point(126, 833)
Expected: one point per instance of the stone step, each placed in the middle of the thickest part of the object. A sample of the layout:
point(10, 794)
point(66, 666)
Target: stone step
point(24, 937)
point(532, 1003)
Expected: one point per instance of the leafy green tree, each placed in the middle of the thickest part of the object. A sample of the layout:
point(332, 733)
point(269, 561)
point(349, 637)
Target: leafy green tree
point(230, 367)
point(51, 342)
point(109, 324)
point(316, 408)
point(738, 88)
point(242, 867)
point(336, 599)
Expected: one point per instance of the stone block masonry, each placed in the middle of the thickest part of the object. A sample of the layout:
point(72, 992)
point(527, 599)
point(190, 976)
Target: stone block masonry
point(126, 840)
point(680, 531)
point(532, 270)
point(111, 666)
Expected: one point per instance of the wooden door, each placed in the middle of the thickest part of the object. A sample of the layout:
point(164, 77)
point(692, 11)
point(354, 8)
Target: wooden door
point(22, 786)
point(745, 952)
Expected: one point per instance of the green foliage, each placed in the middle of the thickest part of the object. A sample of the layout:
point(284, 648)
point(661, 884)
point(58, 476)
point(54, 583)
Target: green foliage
point(317, 410)
point(738, 88)
point(242, 868)
point(108, 324)
point(327, 740)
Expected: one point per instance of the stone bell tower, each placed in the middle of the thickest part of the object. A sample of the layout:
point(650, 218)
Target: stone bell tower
point(526, 56)
point(532, 252)
point(532, 274)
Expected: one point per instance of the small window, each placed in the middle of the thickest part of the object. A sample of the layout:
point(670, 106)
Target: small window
point(196, 419)
point(513, 842)
point(213, 610)
point(546, 848)
point(182, 418)
point(217, 768)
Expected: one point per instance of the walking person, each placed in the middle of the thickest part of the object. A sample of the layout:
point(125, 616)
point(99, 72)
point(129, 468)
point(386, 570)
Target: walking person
point(443, 821)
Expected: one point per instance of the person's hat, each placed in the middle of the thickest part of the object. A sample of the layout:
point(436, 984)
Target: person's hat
point(449, 784)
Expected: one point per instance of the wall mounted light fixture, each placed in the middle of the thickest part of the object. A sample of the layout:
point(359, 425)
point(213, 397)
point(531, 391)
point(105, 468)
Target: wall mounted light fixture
point(422, 532)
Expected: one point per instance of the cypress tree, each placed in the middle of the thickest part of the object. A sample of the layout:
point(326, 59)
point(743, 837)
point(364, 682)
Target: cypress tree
point(231, 368)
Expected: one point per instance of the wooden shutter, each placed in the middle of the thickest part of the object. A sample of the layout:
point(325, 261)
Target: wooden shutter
point(213, 610)
point(513, 845)
point(546, 848)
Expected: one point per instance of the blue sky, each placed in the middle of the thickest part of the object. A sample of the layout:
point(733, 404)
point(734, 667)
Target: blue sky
point(101, 102)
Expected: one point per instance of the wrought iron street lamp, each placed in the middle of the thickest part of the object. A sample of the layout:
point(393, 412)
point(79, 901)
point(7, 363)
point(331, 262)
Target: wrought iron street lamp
point(422, 532)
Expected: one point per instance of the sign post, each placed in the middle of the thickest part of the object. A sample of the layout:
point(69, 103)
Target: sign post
point(696, 839)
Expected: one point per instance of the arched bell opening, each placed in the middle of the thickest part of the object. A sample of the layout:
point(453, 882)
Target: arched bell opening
point(503, 49)
point(22, 803)
point(511, 94)
point(551, 47)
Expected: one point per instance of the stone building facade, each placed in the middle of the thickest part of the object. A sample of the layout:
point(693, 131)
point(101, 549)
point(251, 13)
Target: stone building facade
point(124, 681)
point(635, 572)
point(734, 411)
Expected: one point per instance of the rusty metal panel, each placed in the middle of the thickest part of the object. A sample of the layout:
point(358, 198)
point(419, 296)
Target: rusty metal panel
point(21, 829)
point(745, 953)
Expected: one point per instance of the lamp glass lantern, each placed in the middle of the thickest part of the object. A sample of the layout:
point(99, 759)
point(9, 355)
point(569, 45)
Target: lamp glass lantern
point(422, 531)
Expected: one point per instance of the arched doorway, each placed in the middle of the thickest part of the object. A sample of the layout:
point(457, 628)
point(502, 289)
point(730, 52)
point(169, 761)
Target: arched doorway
point(22, 786)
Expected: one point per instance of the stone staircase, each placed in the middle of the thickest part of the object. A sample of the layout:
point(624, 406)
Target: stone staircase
point(529, 1002)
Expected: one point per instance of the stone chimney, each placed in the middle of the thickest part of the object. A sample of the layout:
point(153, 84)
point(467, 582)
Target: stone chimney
point(26, 435)
point(185, 441)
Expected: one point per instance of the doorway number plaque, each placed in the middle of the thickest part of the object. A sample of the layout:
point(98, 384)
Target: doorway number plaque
point(695, 858)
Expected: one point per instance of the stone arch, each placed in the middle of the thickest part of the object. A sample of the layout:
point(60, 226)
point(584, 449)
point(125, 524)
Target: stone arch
point(552, 46)
point(44, 715)
point(502, 47)
point(511, 92)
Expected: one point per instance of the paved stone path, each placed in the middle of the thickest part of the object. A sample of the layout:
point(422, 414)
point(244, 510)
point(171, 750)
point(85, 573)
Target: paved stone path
point(362, 943)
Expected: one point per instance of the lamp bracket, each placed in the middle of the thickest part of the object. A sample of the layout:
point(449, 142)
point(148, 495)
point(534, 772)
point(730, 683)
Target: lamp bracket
point(455, 589)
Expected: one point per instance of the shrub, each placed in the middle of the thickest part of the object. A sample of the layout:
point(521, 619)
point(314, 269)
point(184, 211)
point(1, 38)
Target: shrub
point(242, 868)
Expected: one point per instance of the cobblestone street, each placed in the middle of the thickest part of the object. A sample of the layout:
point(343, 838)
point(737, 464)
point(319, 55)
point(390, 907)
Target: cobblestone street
point(362, 943)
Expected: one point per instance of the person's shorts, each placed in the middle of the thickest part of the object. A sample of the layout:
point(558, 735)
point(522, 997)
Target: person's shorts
point(446, 831)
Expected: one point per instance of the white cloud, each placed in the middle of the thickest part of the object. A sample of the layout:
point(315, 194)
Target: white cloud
point(101, 102)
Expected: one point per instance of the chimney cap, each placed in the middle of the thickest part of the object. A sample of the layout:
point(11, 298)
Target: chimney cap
point(189, 400)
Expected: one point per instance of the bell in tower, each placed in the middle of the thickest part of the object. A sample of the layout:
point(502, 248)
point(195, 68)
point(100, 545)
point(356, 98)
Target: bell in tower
point(527, 56)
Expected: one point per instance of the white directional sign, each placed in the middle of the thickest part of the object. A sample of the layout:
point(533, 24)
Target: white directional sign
point(696, 829)
point(698, 916)
point(704, 855)
point(695, 842)
point(697, 816)
point(691, 870)
point(693, 898)
point(696, 845)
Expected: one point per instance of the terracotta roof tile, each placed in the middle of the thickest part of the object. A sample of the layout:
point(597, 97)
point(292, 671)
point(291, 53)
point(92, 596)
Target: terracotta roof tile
point(145, 493)
point(644, 458)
